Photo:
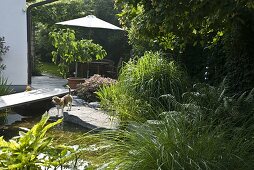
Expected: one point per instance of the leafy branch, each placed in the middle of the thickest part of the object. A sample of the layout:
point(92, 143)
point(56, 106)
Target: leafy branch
point(71, 50)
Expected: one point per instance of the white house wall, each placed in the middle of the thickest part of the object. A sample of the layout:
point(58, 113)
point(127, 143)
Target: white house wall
point(13, 28)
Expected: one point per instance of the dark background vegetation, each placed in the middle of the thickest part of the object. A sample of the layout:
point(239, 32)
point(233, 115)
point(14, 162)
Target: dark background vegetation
point(45, 17)
point(214, 34)
point(208, 42)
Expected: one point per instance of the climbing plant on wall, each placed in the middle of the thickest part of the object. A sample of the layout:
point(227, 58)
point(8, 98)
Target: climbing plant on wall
point(4, 88)
point(3, 51)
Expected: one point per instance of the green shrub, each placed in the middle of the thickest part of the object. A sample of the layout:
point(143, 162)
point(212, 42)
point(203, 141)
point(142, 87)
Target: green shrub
point(33, 150)
point(216, 107)
point(37, 67)
point(140, 85)
point(87, 89)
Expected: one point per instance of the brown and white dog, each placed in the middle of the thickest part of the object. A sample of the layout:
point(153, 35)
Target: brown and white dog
point(63, 101)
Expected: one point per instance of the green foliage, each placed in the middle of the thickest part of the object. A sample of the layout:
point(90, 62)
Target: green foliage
point(239, 53)
point(59, 11)
point(140, 85)
point(49, 68)
point(71, 50)
point(179, 143)
point(42, 44)
point(45, 17)
point(4, 87)
point(215, 107)
point(173, 24)
point(152, 75)
point(225, 28)
point(114, 42)
point(36, 70)
point(33, 150)
point(87, 89)
point(206, 130)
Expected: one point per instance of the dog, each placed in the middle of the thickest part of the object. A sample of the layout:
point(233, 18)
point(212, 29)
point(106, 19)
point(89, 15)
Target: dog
point(63, 102)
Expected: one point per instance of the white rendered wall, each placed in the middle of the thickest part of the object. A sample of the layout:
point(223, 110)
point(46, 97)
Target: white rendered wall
point(13, 28)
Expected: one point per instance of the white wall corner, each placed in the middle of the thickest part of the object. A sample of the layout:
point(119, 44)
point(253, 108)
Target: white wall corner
point(14, 29)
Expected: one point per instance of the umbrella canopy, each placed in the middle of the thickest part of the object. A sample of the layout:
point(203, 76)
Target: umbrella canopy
point(90, 21)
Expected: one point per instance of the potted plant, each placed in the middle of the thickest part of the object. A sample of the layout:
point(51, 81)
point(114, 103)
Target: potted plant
point(71, 51)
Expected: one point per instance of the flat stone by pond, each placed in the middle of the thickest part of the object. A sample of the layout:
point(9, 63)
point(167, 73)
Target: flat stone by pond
point(87, 117)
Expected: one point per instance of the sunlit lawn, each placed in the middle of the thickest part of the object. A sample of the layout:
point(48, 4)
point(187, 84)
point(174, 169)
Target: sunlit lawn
point(50, 68)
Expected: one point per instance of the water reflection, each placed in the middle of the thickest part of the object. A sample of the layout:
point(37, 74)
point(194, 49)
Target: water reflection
point(3, 118)
point(9, 123)
point(8, 118)
point(11, 120)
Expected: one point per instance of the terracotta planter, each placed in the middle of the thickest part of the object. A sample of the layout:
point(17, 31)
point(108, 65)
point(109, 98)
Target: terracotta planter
point(74, 81)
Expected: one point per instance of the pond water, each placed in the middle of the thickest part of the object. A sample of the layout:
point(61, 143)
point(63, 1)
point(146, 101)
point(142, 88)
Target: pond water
point(27, 116)
point(12, 120)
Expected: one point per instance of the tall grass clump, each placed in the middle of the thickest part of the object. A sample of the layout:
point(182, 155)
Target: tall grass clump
point(178, 144)
point(140, 84)
point(4, 87)
point(201, 133)
point(198, 128)
point(206, 129)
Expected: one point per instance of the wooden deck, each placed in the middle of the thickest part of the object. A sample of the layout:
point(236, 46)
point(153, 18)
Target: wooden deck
point(22, 98)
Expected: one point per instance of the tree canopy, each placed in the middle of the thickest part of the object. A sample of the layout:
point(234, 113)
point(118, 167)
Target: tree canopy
point(217, 34)
point(172, 24)
point(45, 17)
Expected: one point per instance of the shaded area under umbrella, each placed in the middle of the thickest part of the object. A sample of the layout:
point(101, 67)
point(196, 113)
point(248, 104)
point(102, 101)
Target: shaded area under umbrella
point(89, 21)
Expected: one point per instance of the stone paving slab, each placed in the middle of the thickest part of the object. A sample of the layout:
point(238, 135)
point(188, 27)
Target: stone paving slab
point(48, 81)
point(87, 117)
